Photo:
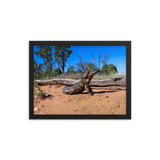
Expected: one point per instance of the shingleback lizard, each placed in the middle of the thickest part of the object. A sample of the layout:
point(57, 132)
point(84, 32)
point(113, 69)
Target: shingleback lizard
point(82, 85)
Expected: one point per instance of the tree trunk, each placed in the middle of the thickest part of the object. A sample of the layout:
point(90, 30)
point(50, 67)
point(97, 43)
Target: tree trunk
point(99, 63)
point(94, 83)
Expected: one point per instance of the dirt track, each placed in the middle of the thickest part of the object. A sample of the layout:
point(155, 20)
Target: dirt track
point(102, 102)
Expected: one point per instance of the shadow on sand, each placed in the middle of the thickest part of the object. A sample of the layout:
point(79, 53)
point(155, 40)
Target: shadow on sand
point(100, 92)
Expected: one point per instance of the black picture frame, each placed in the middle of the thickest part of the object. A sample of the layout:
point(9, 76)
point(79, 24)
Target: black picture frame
point(81, 43)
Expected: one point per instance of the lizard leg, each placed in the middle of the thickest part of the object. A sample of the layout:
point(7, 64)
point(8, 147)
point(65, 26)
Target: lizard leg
point(89, 90)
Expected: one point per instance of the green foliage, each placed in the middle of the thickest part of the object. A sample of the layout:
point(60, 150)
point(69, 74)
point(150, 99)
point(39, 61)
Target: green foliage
point(105, 69)
point(112, 68)
point(40, 92)
point(46, 68)
point(57, 72)
point(92, 67)
point(70, 70)
point(79, 71)
point(61, 55)
point(45, 52)
point(82, 65)
point(108, 69)
point(35, 84)
point(38, 70)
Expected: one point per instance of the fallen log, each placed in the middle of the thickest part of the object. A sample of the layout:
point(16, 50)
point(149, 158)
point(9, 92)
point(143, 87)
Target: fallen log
point(94, 83)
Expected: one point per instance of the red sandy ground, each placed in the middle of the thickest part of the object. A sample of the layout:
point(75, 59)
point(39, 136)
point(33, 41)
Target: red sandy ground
point(102, 102)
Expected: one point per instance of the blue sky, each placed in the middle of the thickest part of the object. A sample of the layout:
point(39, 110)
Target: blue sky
point(117, 55)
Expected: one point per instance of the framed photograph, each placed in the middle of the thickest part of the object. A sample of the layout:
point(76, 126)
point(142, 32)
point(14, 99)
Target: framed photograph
point(79, 79)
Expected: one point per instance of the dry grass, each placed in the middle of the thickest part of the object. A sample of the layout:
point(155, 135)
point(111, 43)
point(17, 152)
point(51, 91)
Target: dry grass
point(79, 76)
point(110, 76)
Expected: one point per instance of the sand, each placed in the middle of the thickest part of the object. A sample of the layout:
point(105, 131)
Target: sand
point(103, 101)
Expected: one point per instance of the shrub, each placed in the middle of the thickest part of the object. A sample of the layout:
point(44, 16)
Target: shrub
point(40, 93)
point(109, 69)
point(57, 72)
